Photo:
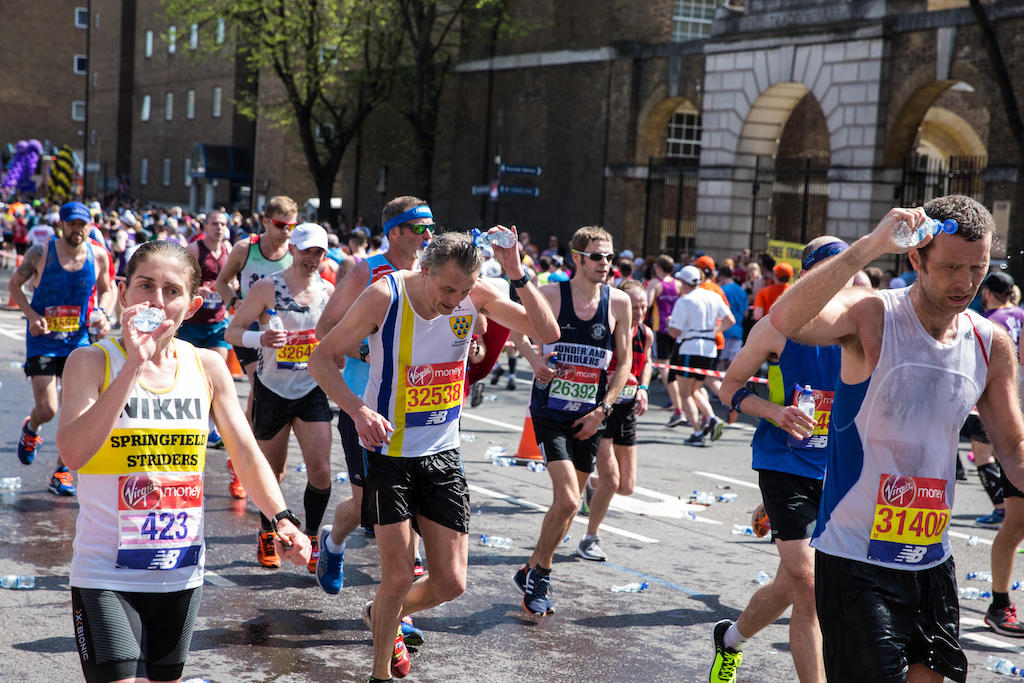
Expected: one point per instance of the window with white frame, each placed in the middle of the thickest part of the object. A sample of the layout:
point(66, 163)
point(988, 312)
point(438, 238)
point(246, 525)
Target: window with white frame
point(144, 171)
point(692, 19)
point(167, 172)
point(148, 48)
point(80, 64)
point(188, 172)
point(220, 30)
point(146, 102)
point(190, 104)
point(81, 17)
point(78, 110)
point(218, 94)
point(172, 40)
point(193, 36)
point(682, 139)
point(169, 106)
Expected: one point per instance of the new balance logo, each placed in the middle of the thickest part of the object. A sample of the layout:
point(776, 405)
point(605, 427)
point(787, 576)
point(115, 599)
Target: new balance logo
point(164, 559)
point(437, 417)
point(573, 406)
point(911, 554)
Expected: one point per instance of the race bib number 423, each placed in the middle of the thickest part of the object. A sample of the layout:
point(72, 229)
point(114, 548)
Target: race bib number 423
point(911, 515)
point(433, 393)
point(159, 520)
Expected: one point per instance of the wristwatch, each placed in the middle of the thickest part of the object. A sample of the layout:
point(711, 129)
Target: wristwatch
point(286, 514)
point(607, 407)
point(521, 282)
point(364, 351)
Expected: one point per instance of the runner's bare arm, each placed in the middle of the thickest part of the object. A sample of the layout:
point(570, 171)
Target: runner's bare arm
point(347, 291)
point(86, 416)
point(364, 318)
point(621, 310)
point(249, 464)
point(232, 267)
point(260, 298)
point(815, 309)
point(32, 263)
point(763, 343)
point(106, 293)
point(999, 407)
point(645, 376)
point(533, 317)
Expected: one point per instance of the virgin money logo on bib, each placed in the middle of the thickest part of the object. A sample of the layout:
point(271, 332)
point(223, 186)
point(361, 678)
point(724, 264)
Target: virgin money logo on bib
point(140, 492)
point(440, 373)
point(899, 491)
point(566, 371)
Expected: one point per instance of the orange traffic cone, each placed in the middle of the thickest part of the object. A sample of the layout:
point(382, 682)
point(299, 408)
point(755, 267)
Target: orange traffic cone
point(528, 450)
point(233, 367)
point(10, 299)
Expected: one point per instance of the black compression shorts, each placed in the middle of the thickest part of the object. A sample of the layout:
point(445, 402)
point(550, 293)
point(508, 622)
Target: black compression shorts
point(397, 489)
point(620, 425)
point(791, 502)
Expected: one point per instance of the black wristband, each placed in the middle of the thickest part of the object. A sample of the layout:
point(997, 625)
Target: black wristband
point(521, 282)
point(738, 397)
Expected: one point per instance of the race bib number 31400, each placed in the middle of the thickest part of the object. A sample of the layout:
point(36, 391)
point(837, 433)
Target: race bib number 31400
point(911, 515)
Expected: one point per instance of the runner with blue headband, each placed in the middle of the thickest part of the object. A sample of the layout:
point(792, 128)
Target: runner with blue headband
point(422, 211)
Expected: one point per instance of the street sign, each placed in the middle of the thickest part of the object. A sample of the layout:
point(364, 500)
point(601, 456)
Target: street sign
point(481, 189)
point(519, 169)
point(519, 190)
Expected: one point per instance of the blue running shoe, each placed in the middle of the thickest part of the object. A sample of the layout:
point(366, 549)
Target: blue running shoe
point(213, 440)
point(995, 519)
point(535, 597)
point(329, 568)
point(61, 483)
point(520, 578)
point(28, 443)
point(413, 636)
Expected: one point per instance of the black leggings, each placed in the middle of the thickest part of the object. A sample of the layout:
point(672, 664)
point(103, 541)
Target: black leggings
point(124, 635)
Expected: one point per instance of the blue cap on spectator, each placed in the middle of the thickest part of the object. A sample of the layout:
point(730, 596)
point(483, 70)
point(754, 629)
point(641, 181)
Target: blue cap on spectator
point(75, 211)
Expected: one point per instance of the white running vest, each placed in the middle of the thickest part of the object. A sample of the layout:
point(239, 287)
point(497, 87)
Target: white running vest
point(284, 371)
point(140, 517)
point(417, 374)
point(893, 439)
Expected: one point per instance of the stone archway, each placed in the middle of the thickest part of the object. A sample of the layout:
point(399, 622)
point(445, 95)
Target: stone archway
point(650, 139)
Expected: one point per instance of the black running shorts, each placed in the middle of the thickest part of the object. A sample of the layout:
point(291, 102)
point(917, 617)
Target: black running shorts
point(690, 361)
point(664, 345)
point(1009, 490)
point(112, 627)
point(620, 425)
point(246, 356)
point(434, 486)
point(351, 448)
point(974, 430)
point(50, 366)
point(791, 502)
point(876, 621)
point(271, 412)
point(556, 441)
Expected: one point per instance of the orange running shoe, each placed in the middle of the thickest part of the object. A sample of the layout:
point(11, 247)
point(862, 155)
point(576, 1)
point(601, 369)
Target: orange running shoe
point(266, 553)
point(400, 663)
point(314, 556)
point(235, 487)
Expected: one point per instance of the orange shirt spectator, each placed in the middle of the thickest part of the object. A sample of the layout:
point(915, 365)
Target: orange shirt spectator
point(768, 295)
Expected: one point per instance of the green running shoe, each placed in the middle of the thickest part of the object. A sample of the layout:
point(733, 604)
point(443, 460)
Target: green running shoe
point(727, 661)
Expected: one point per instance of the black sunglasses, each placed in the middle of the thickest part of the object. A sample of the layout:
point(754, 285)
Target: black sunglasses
point(420, 228)
point(596, 255)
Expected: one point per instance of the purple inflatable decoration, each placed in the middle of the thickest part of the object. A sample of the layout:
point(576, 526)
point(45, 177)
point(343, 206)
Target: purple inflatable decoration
point(22, 166)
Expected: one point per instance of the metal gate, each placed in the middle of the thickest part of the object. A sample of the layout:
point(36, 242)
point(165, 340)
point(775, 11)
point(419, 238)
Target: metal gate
point(925, 178)
point(670, 213)
point(789, 200)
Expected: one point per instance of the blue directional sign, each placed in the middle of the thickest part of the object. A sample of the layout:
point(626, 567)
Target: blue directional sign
point(481, 189)
point(519, 190)
point(519, 169)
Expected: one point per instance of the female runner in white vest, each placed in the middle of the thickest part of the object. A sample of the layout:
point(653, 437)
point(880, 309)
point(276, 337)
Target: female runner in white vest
point(134, 423)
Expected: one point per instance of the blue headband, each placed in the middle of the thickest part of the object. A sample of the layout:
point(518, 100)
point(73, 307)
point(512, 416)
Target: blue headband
point(422, 211)
point(823, 252)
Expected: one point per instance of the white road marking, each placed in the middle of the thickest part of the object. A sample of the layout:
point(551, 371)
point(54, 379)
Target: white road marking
point(217, 580)
point(496, 423)
point(12, 335)
point(578, 520)
point(983, 639)
point(720, 477)
point(983, 541)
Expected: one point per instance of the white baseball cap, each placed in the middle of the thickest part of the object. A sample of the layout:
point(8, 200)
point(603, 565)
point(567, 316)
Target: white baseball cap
point(688, 274)
point(309, 235)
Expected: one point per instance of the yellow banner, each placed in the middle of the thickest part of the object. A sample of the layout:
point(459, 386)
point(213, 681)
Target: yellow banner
point(786, 252)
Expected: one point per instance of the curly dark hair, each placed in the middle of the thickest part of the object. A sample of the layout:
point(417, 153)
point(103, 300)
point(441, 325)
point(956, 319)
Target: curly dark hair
point(973, 220)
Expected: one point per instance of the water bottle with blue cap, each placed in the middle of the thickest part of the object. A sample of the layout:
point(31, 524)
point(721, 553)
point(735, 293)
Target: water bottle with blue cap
point(904, 237)
point(499, 238)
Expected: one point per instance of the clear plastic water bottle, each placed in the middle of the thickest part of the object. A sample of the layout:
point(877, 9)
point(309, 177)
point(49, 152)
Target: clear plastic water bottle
point(741, 530)
point(501, 238)
point(301, 467)
point(726, 497)
point(1016, 586)
point(537, 467)
point(148, 319)
point(551, 364)
point(274, 320)
point(504, 461)
point(568, 537)
point(805, 401)
point(702, 497)
point(16, 582)
point(979, 576)
point(495, 541)
point(972, 593)
point(762, 577)
point(95, 318)
point(973, 540)
point(493, 452)
point(467, 438)
point(10, 483)
point(341, 477)
point(637, 587)
point(1000, 665)
point(904, 237)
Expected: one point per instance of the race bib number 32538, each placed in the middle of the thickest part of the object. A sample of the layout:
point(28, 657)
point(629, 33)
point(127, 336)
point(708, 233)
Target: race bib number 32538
point(433, 393)
point(911, 515)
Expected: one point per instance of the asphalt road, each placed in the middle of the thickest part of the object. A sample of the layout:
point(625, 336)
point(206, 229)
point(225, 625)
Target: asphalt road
point(259, 625)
